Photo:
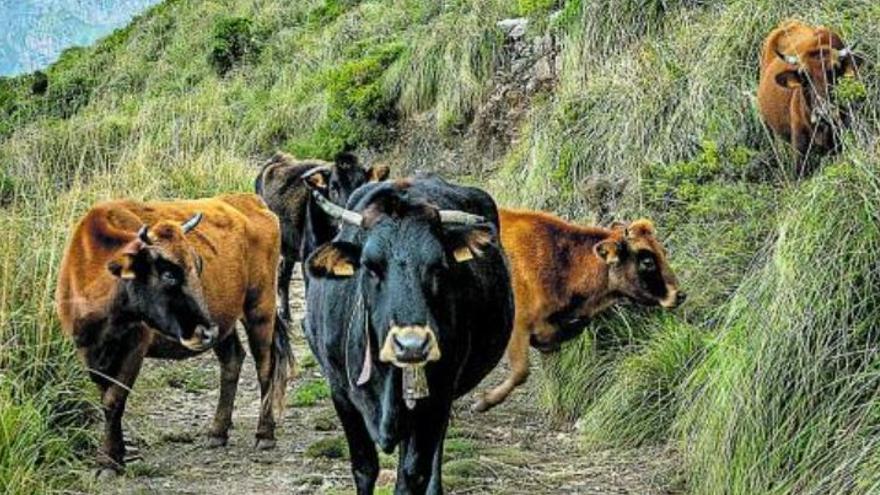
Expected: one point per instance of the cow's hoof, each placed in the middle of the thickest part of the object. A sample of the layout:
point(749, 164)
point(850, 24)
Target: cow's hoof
point(481, 405)
point(216, 442)
point(265, 443)
point(106, 474)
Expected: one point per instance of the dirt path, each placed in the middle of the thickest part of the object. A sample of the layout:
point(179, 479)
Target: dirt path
point(511, 449)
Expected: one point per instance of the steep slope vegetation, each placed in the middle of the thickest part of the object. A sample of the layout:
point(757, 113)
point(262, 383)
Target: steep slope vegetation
point(765, 379)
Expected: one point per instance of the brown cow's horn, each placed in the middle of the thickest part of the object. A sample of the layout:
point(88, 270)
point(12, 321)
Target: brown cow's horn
point(847, 51)
point(191, 223)
point(338, 212)
point(142, 235)
point(789, 59)
point(462, 217)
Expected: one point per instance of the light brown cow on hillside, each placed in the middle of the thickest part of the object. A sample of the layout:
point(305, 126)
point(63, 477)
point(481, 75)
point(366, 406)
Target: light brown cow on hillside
point(170, 280)
point(566, 274)
point(800, 65)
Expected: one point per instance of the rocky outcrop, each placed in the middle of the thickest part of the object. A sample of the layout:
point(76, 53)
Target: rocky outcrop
point(529, 65)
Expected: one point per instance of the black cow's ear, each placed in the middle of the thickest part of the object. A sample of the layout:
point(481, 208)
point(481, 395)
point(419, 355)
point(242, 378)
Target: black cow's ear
point(378, 173)
point(467, 242)
point(790, 79)
point(318, 179)
point(334, 260)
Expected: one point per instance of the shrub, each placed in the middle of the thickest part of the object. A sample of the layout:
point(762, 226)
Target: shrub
point(233, 40)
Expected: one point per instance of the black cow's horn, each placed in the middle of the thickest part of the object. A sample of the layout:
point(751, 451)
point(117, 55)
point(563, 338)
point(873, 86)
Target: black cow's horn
point(322, 168)
point(789, 59)
point(142, 235)
point(191, 223)
point(338, 212)
point(461, 217)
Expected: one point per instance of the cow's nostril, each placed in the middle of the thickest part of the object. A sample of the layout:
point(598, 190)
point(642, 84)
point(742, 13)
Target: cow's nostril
point(411, 347)
point(681, 296)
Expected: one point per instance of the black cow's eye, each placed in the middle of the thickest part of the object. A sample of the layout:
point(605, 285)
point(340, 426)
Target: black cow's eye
point(647, 264)
point(375, 270)
point(169, 278)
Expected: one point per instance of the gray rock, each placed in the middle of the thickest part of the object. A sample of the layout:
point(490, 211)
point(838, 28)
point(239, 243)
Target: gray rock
point(514, 28)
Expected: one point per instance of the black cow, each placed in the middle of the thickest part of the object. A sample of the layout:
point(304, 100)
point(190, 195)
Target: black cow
point(281, 184)
point(409, 308)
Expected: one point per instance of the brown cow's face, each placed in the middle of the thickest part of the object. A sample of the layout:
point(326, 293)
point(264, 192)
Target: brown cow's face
point(637, 266)
point(816, 65)
point(160, 285)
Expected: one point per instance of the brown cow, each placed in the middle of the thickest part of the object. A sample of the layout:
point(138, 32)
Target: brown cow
point(170, 280)
point(800, 64)
point(565, 274)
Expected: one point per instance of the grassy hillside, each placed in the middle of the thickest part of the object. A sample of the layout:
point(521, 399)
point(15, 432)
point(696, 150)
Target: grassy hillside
point(764, 379)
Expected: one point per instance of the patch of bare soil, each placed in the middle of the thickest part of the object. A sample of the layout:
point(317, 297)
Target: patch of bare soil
point(513, 449)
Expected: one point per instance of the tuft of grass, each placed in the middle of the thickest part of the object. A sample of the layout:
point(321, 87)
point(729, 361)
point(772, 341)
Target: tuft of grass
point(459, 448)
point(330, 448)
point(642, 399)
point(309, 393)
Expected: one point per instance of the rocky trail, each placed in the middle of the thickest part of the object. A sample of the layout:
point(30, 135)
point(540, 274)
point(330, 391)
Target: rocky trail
point(515, 448)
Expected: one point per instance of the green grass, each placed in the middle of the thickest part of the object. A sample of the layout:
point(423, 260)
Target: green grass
point(330, 448)
point(309, 393)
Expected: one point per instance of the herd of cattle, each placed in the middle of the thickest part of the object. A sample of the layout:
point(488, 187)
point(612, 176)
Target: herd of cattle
point(415, 287)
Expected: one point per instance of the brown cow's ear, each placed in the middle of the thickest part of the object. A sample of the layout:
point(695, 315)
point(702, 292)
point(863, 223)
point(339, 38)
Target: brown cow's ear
point(334, 260)
point(129, 262)
point(790, 79)
point(852, 65)
point(122, 267)
point(608, 251)
point(378, 173)
point(617, 225)
point(467, 243)
point(640, 228)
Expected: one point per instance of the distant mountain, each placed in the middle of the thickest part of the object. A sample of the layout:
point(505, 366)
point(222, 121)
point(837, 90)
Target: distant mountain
point(34, 32)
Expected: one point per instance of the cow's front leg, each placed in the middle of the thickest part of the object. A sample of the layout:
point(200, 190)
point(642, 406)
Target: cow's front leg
point(230, 353)
point(421, 455)
point(115, 382)
point(518, 360)
point(364, 460)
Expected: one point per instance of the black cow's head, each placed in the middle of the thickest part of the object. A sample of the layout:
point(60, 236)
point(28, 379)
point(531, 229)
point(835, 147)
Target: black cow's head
point(159, 277)
point(338, 181)
point(403, 259)
point(637, 265)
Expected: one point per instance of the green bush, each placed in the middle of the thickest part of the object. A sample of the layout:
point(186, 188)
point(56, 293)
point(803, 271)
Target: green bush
point(233, 41)
point(641, 402)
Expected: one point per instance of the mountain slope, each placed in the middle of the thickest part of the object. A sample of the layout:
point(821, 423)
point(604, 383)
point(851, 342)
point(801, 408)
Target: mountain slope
point(762, 381)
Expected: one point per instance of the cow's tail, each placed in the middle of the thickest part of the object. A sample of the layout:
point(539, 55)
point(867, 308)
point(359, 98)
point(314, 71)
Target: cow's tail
point(283, 366)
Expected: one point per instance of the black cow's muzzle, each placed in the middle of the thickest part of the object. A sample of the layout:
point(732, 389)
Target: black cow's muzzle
point(410, 346)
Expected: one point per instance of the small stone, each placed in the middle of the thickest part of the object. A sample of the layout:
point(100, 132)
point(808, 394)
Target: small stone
point(543, 70)
point(514, 28)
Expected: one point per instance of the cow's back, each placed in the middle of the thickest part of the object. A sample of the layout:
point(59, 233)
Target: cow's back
point(237, 239)
point(280, 185)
